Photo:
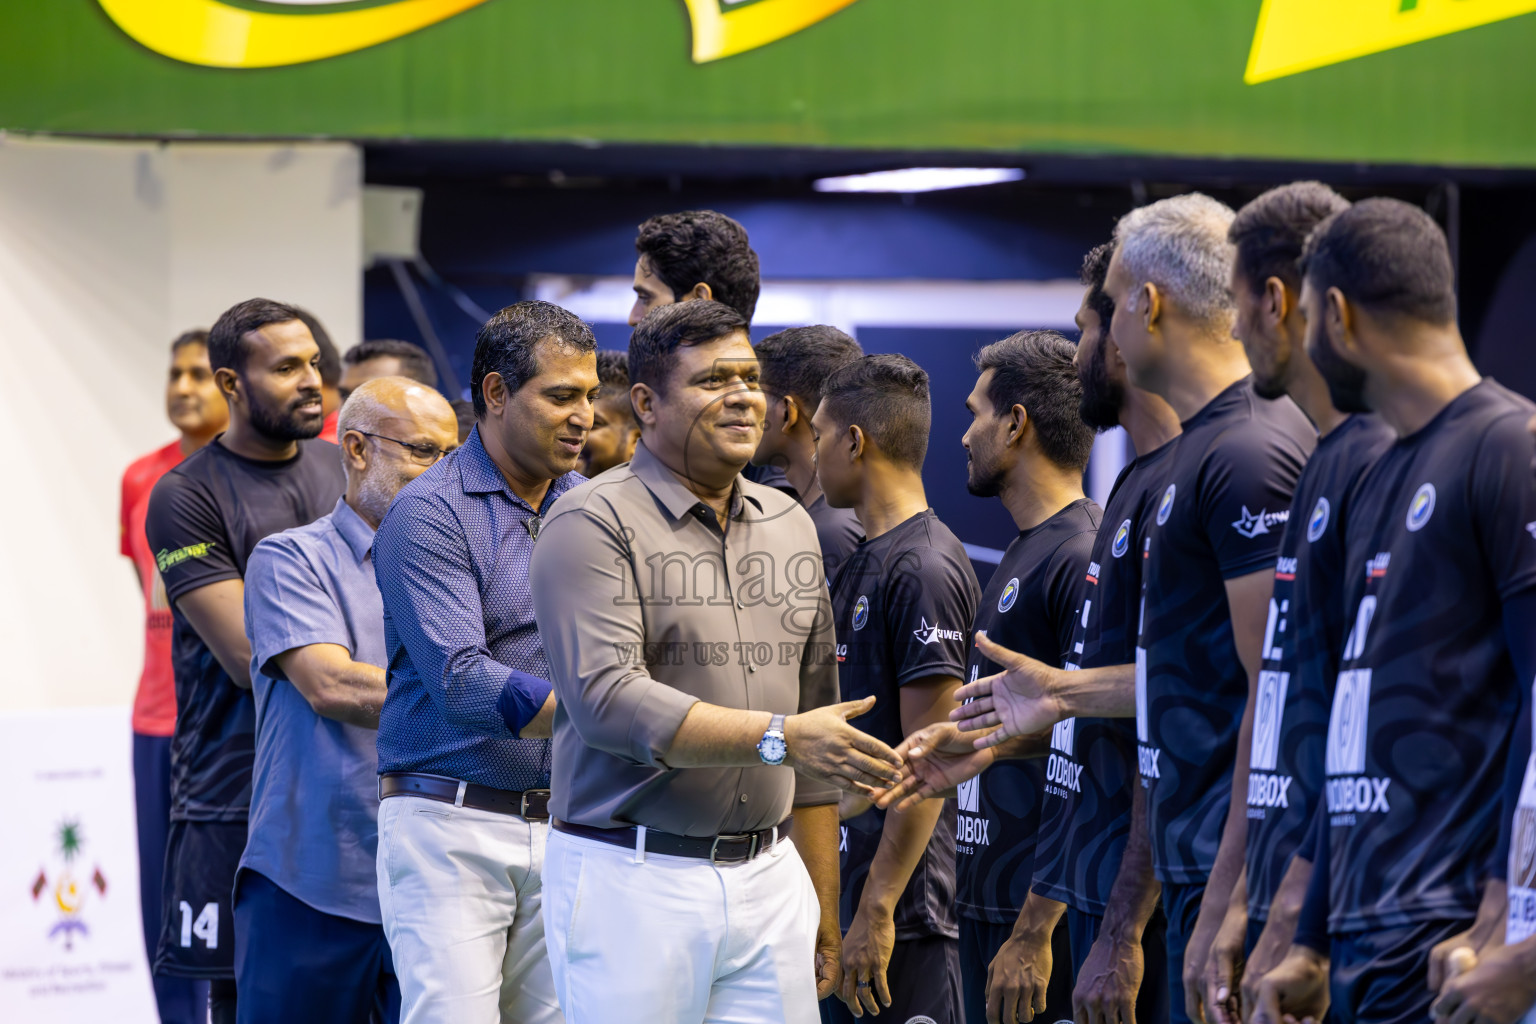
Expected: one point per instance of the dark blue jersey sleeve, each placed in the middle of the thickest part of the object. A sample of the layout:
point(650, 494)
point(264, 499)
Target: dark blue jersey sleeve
point(1245, 499)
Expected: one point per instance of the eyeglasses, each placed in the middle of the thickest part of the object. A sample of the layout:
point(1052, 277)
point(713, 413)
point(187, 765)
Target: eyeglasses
point(421, 454)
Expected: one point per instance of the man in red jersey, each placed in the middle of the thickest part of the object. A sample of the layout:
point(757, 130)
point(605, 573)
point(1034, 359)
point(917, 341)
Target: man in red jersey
point(195, 407)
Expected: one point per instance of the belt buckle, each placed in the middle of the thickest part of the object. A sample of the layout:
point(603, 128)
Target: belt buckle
point(752, 842)
point(523, 807)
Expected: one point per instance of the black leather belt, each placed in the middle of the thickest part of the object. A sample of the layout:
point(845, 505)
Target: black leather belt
point(721, 849)
point(532, 804)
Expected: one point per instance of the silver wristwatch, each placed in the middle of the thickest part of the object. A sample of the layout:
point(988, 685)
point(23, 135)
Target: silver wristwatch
point(772, 748)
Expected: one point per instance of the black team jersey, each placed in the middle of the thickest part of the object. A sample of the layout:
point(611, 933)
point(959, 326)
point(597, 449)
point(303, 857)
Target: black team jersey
point(205, 516)
point(1441, 534)
point(1302, 641)
point(1029, 606)
point(1086, 811)
point(902, 605)
point(1226, 491)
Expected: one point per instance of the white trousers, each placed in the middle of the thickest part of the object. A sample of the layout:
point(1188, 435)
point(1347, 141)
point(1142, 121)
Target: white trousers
point(677, 940)
point(460, 890)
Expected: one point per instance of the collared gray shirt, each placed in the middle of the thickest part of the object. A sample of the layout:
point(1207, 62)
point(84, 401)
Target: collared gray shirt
point(647, 606)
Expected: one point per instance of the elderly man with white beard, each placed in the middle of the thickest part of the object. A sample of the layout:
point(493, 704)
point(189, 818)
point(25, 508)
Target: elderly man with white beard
point(309, 941)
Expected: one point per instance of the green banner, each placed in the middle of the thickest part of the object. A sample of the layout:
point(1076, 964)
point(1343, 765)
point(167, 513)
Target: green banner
point(1402, 81)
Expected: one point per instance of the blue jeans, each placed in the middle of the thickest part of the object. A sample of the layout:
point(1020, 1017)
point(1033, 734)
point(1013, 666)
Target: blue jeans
point(180, 1000)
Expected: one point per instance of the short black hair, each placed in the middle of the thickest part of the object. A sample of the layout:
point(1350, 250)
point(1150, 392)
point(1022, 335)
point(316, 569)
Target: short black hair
point(226, 340)
point(506, 344)
point(196, 336)
point(797, 362)
point(885, 396)
point(1270, 231)
point(415, 363)
point(1095, 271)
point(1034, 369)
point(685, 249)
point(330, 359)
point(613, 369)
point(1386, 255)
point(654, 344)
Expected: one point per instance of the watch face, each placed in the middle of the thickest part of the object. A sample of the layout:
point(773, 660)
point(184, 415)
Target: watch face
point(772, 749)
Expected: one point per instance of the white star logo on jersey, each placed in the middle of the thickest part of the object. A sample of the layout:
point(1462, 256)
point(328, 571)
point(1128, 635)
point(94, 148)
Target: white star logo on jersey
point(934, 633)
point(1251, 525)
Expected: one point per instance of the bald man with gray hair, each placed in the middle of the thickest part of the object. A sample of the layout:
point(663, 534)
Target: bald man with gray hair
point(309, 938)
point(1208, 546)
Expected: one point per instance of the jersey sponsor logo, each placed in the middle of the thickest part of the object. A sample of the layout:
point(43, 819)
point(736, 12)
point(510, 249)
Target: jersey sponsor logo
point(1061, 772)
point(1122, 542)
point(933, 634)
point(1268, 720)
point(1092, 575)
point(1349, 722)
point(1266, 790)
point(1420, 508)
point(842, 839)
point(1165, 507)
point(1010, 594)
point(971, 830)
point(167, 559)
point(861, 612)
point(1376, 566)
point(1353, 795)
point(842, 653)
point(1255, 524)
point(1319, 521)
point(1285, 568)
point(1064, 735)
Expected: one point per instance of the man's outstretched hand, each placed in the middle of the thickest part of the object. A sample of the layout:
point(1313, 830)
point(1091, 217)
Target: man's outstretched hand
point(822, 743)
point(1017, 701)
point(935, 760)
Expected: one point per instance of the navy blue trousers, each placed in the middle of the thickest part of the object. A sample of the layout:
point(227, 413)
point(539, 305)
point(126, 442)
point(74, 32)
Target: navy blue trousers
point(298, 965)
point(180, 1000)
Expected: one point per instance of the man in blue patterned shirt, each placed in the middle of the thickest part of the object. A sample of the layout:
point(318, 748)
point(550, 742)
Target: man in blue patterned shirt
point(464, 784)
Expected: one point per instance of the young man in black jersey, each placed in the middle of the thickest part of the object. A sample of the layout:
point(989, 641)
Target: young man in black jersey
point(902, 606)
point(796, 363)
point(1279, 768)
point(1208, 554)
point(1028, 447)
point(1440, 591)
point(260, 477)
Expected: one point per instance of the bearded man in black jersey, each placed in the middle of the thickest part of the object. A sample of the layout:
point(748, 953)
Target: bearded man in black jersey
point(1208, 554)
point(902, 607)
point(262, 476)
point(1440, 592)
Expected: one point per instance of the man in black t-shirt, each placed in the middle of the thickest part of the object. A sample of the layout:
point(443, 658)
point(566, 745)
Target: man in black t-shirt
point(205, 516)
point(1278, 771)
point(1089, 856)
point(796, 364)
point(1028, 447)
point(1208, 550)
point(1440, 591)
point(902, 607)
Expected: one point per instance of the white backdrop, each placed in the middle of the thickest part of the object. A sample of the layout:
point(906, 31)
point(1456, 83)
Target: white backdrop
point(107, 252)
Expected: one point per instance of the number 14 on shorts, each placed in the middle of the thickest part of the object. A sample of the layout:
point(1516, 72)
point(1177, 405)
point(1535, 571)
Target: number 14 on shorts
point(205, 927)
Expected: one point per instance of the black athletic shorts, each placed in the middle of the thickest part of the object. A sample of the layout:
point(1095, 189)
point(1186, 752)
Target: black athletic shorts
point(197, 921)
point(1379, 977)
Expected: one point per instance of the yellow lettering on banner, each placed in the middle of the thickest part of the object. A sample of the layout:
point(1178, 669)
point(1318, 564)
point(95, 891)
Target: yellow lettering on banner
point(218, 35)
point(1299, 35)
point(722, 28)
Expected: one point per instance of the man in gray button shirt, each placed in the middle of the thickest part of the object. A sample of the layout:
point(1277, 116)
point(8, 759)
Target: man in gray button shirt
point(686, 619)
point(309, 943)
